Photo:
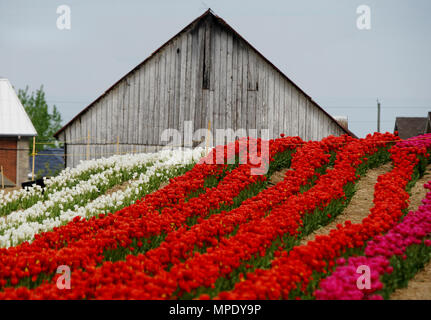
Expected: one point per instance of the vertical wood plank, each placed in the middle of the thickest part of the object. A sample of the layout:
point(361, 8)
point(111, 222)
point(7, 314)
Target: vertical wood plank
point(282, 115)
point(217, 80)
point(188, 85)
point(104, 123)
point(172, 50)
point(276, 131)
point(315, 121)
point(109, 116)
point(182, 86)
point(93, 125)
point(288, 110)
point(263, 86)
point(238, 87)
point(244, 96)
point(133, 107)
point(72, 133)
point(193, 76)
point(229, 82)
point(150, 102)
point(251, 99)
point(117, 113)
point(156, 108)
point(140, 107)
point(325, 126)
point(304, 118)
point(163, 98)
point(126, 126)
point(211, 109)
point(83, 119)
point(294, 111)
point(120, 103)
point(234, 84)
point(136, 107)
point(178, 59)
point(271, 102)
point(147, 107)
point(204, 77)
point(165, 123)
point(223, 80)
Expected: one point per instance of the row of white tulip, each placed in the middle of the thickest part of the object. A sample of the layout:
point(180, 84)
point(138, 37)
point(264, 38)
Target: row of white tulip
point(167, 165)
point(127, 168)
point(79, 194)
point(69, 177)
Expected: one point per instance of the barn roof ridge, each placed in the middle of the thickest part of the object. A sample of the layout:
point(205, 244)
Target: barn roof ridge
point(208, 13)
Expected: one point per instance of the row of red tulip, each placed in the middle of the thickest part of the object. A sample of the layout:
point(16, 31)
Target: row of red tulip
point(391, 258)
point(181, 244)
point(82, 243)
point(123, 280)
point(297, 272)
point(209, 233)
point(203, 272)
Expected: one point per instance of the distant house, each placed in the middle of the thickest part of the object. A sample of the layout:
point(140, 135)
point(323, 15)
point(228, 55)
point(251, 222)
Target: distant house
point(16, 130)
point(48, 162)
point(408, 127)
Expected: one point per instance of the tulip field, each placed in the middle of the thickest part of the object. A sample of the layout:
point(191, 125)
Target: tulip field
point(179, 225)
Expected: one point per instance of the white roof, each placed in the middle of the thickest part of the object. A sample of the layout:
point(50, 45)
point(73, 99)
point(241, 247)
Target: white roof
point(14, 121)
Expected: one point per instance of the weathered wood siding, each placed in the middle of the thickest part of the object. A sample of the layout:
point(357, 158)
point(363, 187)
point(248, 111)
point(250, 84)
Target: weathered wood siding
point(204, 74)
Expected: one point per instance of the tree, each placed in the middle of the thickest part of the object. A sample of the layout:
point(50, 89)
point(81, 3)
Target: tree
point(45, 123)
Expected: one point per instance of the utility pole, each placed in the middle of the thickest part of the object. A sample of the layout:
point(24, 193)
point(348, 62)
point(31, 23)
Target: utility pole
point(33, 155)
point(378, 115)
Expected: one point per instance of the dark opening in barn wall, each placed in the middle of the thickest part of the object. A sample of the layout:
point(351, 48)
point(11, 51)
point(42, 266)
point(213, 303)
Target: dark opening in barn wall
point(206, 83)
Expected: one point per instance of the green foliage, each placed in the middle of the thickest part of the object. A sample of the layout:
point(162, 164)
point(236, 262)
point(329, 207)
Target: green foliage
point(46, 123)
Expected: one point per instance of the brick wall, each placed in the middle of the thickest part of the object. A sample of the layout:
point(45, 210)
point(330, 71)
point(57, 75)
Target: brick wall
point(8, 157)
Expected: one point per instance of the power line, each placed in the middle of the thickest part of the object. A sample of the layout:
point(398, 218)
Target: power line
point(383, 107)
point(64, 101)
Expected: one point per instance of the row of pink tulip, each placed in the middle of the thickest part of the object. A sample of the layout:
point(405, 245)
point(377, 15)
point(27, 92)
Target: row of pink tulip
point(345, 284)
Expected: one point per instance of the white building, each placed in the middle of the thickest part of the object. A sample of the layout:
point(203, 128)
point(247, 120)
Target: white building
point(16, 130)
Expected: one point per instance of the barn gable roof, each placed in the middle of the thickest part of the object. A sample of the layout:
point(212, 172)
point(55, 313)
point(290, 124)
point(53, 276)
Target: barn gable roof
point(209, 14)
point(14, 121)
point(408, 127)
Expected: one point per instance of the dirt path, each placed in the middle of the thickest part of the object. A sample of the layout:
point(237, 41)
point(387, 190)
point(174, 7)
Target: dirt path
point(418, 191)
point(419, 287)
point(360, 204)
point(118, 187)
point(362, 201)
point(278, 176)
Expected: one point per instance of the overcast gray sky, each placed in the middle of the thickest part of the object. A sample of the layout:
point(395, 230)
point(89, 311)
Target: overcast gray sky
point(314, 42)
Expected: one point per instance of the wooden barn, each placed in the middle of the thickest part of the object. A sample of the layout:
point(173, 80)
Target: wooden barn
point(207, 73)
